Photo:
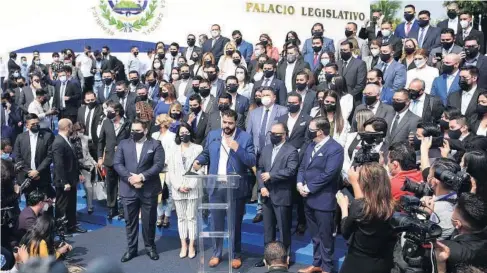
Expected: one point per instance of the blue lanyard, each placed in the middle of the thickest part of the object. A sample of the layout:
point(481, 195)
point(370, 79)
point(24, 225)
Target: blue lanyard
point(446, 197)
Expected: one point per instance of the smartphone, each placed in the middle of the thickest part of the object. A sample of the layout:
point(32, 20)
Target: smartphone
point(439, 55)
point(348, 194)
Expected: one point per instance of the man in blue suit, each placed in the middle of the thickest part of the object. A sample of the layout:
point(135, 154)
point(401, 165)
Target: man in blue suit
point(138, 161)
point(394, 72)
point(428, 37)
point(245, 48)
point(317, 182)
point(448, 81)
point(317, 31)
point(234, 148)
point(403, 29)
point(314, 59)
point(216, 44)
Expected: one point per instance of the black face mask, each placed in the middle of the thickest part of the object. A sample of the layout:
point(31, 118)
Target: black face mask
point(318, 33)
point(185, 75)
point(137, 136)
point(164, 95)
point(268, 73)
point(238, 41)
point(264, 43)
point(385, 57)
point(136, 53)
point(451, 14)
point(191, 42)
point(447, 45)
point(207, 63)
point(312, 135)
point(35, 128)
point(455, 134)
point(141, 98)
point(275, 139)
point(464, 85)
point(444, 125)
point(414, 95)
point(423, 23)
point(212, 77)
point(236, 61)
point(173, 53)
point(134, 82)
point(196, 89)
point(91, 105)
point(317, 49)
point(107, 81)
point(398, 106)
point(448, 69)
point(408, 17)
point(409, 50)
point(261, 65)
point(301, 86)
point(185, 138)
point(161, 56)
point(111, 115)
point(105, 53)
point(20, 85)
point(370, 100)
point(329, 77)
point(481, 109)
point(152, 83)
point(196, 110)
point(471, 52)
point(232, 88)
point(345, 55)
point(293, 108)
point(223, 107)
point(204, 92)
point(258, 101)
point(98, 59)
point(348, 33)
point(175, 116)
point(230, 52)
point(121, 94)
point(329, 107)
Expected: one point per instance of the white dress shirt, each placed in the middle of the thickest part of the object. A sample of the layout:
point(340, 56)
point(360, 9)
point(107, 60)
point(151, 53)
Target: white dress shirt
point(214, 89)
point(289, 75)
point(292, 121)
point(424, 31)
point(427, 74)
point(406, 26)
point(416, 106)
point(62, 93)
point(40, 110)
point(88, 128)
point(482, 131)
point(268, 117)
point(85, 65)
point(275, 151)
point(6, 115)
point(33, 146)
point(224, 152)
point(118, 127)
point(138, 148)
point(449, 80)
point(401, 115)
point(453, 24)
point(466, 98)
point(315, 150)
point(189, 52)
point(373, 107)
point(204, 102)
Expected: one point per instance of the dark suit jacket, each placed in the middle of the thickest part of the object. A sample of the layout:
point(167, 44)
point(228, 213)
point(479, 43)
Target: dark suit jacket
point(26, 97)
point(369, 33)
point(116, 66)
point(309, 101)
point(242, 104)
point(432, 109)
point(321, 173)
point(482, 66)
point(396, 42)
point(199, 133)
point(195, 49)
point(66, 166)
point(12, 66)
point(407, 124)
point(444, 24)
point(356, 76)
point(43, 155)
point(299, 132)
point(283, 173)
point(455, 100)
point(217, 49)
point(130, 112)
point(73, 103)
point(400, 32)
point(215, 122)
point(238, 161)
point(479, 34)
point(431, 38)
point(27, 219)
point(383, 111)
point(279, 89)
point(101, 93)
point(281, 70)
point(108, 140)
point(96, 114)
point(150, 164)
point(14, 117)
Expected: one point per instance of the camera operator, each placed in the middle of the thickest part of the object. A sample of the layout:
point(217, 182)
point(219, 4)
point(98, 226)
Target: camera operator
point(36, 204)
point(39, 239)
point(366, 223)
point(9, 204)
point(437, 148)
point(402, 164)
point(468, 244)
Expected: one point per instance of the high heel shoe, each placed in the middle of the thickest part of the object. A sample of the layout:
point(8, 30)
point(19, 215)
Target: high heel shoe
point(165, 223)
point(159, 222)
point(183, 253)
point(191, 253)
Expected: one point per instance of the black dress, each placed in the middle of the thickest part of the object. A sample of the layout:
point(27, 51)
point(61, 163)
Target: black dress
point(371, 243)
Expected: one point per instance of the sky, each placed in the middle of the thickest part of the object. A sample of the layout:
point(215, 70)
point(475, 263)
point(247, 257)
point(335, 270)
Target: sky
point(435, 7)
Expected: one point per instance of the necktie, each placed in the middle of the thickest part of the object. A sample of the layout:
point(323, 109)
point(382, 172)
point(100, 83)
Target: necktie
point(385, 40)
point(345, 63)
point(371, 107)
point(63, 90)
point(316, 148)
point(266, 82)
point(107, 88)
point(263, 128)
point(421, 38)
point(317, 57)
point(384, 67)
point(394, 125)
point(408, 28)
point(274, 154)
point(122, 102)
point(415, 105)
point(194, 122)
point(88, 123)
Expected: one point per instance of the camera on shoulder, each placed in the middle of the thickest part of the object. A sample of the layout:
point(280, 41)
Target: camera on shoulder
point(366, 154)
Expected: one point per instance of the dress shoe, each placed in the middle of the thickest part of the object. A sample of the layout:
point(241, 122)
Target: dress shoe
point(153, 254)
point(128, 256)
point(300, 229)
point(259, 264)
point(311, 269)
point(214, 261)
point(258, 218)
point(77, 229)
point(236, 263)
point(90, 211)
point(110, 214)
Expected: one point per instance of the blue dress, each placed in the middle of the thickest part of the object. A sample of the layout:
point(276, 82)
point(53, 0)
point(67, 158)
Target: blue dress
point(161, 108)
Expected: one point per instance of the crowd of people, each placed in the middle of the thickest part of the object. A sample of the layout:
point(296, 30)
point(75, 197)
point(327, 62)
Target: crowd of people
point(333, 129)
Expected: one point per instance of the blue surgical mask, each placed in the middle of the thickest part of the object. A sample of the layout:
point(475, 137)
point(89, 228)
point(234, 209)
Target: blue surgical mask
point(6, 156)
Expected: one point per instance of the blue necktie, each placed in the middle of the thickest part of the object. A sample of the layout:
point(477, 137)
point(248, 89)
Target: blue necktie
point(193, 123)
point(263, 128)
point(421, 38)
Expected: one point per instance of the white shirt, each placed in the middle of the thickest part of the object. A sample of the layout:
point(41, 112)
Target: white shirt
point(346, 105)
point(33, 146)
point(62, 93)
point(374, 107)
point(289, 75)
point(246, 90)
point(406, 26)
point(275, 151)
point(118, 127)
point(268, 117)
point(85, 65)
point(427, 74)
point(189, 52)
point(292, 121)
point(204, 102)
point(138, 148)
point(182, 87)
point(449, 80)
point(482, 131)
point(234, 101)
point(40, 110)
point(224, 152)
point(416, 106)
point(423, 31)
point(466, 98)
point(316, 149)
point(214, 89)
point(88, 128)
point(453, 24)
point(268, 81)
point(401, 115)
point(6, 115)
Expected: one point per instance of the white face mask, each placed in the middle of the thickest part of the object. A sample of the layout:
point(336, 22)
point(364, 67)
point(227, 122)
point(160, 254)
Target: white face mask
point(419, 64)
point(215, 33)
point(62, 78)
point(324, 62)
point(374, 52)
point(386, 32)
point(157, 65)
point(45, 207)
point(464, 23)
point(257, 53)
point(266, 101)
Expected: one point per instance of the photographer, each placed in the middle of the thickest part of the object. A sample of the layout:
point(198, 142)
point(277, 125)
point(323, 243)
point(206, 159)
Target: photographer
point(437, 148)
point(36, 204)
point(366, 223)
point(402, 164)
point(9, 204)
point(39, 239)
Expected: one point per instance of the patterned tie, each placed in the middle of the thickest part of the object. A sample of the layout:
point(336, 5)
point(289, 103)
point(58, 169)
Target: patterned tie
point(408, 28)
point(266, 82)
point(421, 38)
point(317, 57)
point(263, 128)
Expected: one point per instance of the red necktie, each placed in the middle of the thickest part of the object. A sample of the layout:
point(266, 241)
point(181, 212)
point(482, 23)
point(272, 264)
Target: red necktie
point(408, 28)
point(315, 61)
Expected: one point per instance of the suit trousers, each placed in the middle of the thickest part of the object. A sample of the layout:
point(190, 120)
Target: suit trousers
point(218, 219)
point(89, 82)
point(111, 183)
point(147, 206)
point(280, 216)
point(66, 204)
point(299, 202)
point(186, 210)
point(321, 225)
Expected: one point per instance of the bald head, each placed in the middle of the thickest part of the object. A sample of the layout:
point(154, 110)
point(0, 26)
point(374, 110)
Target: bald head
point(372, 90)
point(65, 126)
point(452, 60)
point(417, 85)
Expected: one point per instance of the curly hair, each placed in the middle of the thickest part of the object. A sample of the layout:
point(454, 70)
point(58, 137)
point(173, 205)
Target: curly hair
point(144, 110)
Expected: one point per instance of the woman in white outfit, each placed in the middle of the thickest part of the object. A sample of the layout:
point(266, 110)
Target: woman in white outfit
point(167, 140)
point(184, 190)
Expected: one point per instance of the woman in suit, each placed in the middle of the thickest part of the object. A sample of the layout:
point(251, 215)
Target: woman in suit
point(244, 85)
point(366, 223)
point(372, 60)
point(87, 163)
point(176, 113)
point(331, 109)
point(320, 74)
point(196, 69)
point(408, 52)
point(166, 138)
point(184, 190)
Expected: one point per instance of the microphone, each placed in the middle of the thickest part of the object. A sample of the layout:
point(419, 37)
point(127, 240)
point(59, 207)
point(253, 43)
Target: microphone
point(189, 172)
point(229, 161)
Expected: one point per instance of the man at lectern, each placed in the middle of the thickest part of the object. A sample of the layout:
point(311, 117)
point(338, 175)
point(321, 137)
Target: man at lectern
point(228, 151)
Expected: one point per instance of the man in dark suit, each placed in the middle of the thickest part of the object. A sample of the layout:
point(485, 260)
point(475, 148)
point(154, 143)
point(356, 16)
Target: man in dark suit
point(216, 44)
point(153, 88)
point(245, 48)
point(403, 30)
point(317, 182)
point(125, 98)
point(466, 99)
point(460, 131)
point(142, 96)
point(438, 54)
point(217, 85)
point(466, 21)
point(448, 81)
point(12, 66)
point(188, 51)
point(388, 38)
point(201, 87)
point(240, 103)
point(139, 186)
point(375, 104)
point(474, 58)
point(276, 175)
point(404, 121)
point(287, 70)
point(453, 21)
point(427, 107)
point(67, 97)
point(215, 117)
point(353, 70)
point(108, 87)
point(197, 118)
point(308, 96)
point(28, 93)
point(371, 28)
point(113, 64)
point(10, 118)
point(270, 79)
point(66, 175)
point(428, 37)
point(37, 165)
point(114, 129)
point(240, 157)
point(89, 115)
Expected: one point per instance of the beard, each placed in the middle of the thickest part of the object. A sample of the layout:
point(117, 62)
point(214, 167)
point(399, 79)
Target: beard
point(228, 131)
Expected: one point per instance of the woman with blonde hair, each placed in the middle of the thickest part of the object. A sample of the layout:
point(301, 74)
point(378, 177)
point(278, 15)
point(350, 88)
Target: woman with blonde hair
point(272, 51)
point(229, 62)
point(422, 71)
point(409, 49)
point(367, 219)
point(176, 113)
point(166, 138)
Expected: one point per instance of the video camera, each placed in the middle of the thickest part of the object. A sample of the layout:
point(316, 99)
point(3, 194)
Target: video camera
point(61, 224)
point(369, 141)
point(459, 182)
point(21, 167)
point(418, 233)
point(418, 189)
